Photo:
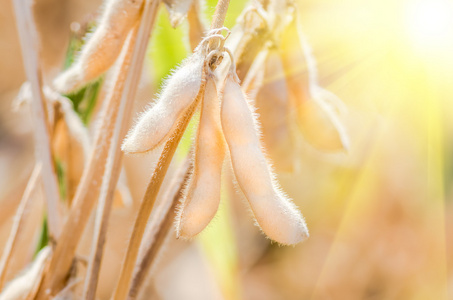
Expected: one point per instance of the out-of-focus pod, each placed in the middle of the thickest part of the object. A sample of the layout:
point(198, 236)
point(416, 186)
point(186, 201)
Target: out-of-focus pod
point(103, 46)
point(317, 110)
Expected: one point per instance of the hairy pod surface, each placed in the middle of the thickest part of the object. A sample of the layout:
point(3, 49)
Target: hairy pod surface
point(103, 47)
point(277, 216)
point(155, 124)
point(202, 196)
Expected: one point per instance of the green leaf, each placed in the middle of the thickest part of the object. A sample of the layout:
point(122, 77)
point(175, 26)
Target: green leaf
point(43, 237)
point(61, 179)
point(168, 48)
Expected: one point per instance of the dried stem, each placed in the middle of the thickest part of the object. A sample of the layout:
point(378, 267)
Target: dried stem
point(88, 189)
point(220, 14)
point(158, 176)
point(110, 178)
point(10, 202)
point(19, 220)
point(29, 44)
point(150, 198)
point(159, 229)
point(113, 169)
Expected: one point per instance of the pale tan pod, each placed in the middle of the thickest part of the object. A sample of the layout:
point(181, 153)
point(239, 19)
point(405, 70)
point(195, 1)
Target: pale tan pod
point(70, 141)
point(320, 124)
point(202, 196)
point(155, 124)
point(103, 46)
point(316, 108)
point(277, 216)
point(318, 117)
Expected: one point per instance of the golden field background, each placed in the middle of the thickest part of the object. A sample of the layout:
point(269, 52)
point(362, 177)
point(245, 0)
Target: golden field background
point(380, 216)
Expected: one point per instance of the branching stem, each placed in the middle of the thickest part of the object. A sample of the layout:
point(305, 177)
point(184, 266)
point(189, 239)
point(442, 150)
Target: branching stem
point(113, 168)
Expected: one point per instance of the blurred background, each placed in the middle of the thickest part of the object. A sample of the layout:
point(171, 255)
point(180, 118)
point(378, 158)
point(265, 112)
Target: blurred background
point(380, 216)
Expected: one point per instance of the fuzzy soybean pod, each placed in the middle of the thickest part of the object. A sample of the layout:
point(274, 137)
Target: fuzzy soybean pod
point(320, 123)
point(103, 47)
point(275, 213)
point(202, 196)
point(157, 123)
point(318, 111)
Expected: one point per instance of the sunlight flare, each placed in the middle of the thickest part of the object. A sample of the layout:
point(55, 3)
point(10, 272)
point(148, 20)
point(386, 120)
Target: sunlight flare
point(430, 24)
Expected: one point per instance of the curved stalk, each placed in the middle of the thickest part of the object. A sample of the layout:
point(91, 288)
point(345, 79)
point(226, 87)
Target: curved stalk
point(19, 220)
point(150, 198)
point(160, 230)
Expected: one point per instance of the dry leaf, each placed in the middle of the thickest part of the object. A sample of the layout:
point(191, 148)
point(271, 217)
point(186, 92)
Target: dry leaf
point(317, 109)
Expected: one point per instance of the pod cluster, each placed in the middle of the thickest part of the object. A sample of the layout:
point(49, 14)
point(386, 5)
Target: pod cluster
point(282, 79)
point(227, 126)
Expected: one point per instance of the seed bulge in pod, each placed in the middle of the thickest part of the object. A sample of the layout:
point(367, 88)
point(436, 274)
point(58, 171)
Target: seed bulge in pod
point(275, 213)
point(158, 121)
point(202, 196)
